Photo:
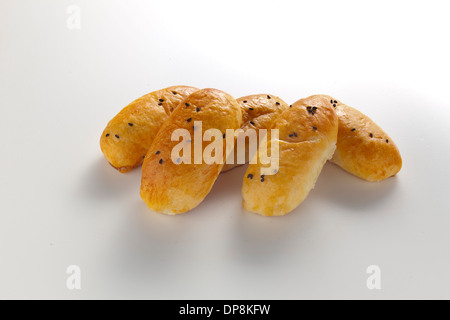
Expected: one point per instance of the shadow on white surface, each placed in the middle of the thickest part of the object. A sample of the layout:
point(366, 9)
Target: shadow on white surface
point(101, 181)
point(348, 191)
point(226, 190)
point(152, 239)
point(259, 240)
point(254, 239)
point(188, 249)
point(148, 240)
point(219, 229)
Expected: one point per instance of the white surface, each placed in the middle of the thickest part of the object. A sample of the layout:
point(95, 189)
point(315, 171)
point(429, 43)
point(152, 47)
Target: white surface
point(61, 204)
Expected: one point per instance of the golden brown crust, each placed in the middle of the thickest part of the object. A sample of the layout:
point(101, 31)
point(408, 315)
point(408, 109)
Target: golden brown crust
point(128, 136)
point(174, 188)
point(307, 138)
point(258, 112)
point(363, 148)
point(265, 107)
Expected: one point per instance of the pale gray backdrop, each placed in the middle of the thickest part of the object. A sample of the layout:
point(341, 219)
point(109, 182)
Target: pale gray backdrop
point(61, 204)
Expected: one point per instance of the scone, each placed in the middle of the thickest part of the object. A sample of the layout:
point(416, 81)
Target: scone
point(128, 136)
point(168, 184)
point(258, 112)
point(362, 147)
point(307, 139)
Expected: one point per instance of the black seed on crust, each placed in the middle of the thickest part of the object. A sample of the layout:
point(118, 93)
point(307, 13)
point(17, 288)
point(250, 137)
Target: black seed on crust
point(371, 135)
point(269, 97)
point(250, 176)
point(315, 128)
point(107, 135)
point(311, 110)
point(252, 122)
point(130, 124)
point(189, 119)
point(117, 136)
point(353, 129)
point(198, 109)
point(186, 104)
point(158, 152)
point(160, 161)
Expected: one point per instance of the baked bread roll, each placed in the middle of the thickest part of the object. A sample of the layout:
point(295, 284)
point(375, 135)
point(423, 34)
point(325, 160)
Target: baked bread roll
point(362, 147)
point(307, 139)
point(128, 136)
point(173, 187)
point(258, 112)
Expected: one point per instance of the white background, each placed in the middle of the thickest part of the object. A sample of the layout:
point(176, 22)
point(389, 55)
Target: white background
point(61, 204)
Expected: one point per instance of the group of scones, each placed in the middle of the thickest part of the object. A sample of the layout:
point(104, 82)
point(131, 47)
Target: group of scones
point(310, 132)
